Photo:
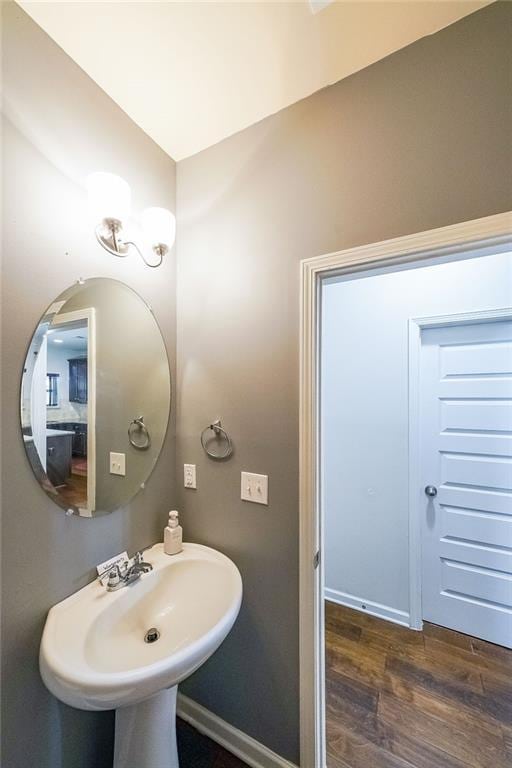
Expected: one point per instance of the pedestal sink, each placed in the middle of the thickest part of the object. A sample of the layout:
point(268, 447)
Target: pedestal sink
point(128, 650)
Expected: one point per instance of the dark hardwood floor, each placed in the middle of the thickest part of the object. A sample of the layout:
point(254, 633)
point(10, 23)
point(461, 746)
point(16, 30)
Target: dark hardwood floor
point(198, 751)
point(74, 492)
point(396, 698)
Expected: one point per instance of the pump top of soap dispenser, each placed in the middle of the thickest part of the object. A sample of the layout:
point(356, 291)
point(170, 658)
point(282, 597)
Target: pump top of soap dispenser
point(173, 519)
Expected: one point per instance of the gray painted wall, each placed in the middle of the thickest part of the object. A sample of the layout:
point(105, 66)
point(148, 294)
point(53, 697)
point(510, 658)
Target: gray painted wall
point(365, 413)
point(58, 127)
point(418, 140)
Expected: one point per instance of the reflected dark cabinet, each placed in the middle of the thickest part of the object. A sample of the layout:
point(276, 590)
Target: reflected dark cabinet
point(78, 380)
point(79, 438)
point(58, 458)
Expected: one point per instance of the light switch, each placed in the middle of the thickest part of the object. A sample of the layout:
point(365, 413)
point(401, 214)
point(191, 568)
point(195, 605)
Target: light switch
point(254, 488)
point(117, 463)
point(189, 476)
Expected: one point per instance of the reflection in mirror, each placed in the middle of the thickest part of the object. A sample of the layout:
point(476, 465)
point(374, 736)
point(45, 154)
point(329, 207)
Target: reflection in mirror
point(96, 367)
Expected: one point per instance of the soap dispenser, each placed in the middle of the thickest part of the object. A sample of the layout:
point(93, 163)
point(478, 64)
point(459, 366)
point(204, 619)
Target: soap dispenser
point(173, 535)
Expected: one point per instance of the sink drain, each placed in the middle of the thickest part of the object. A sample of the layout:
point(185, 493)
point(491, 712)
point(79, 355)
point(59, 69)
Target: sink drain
point(151, 635)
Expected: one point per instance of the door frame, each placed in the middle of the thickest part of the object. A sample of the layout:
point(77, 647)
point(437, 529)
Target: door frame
point(485, 236)
point(64, 318)
point(416, 326)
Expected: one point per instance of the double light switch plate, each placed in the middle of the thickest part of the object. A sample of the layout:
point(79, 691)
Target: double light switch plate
point(254, 488)
point(117, 463)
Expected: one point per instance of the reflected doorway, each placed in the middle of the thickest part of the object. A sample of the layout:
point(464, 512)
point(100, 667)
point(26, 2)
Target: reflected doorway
point(66, 410)
point(58, 407)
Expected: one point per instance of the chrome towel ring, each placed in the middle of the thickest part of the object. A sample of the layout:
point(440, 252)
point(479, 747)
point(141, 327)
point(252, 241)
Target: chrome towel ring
point(143, 441)
point(218, 434)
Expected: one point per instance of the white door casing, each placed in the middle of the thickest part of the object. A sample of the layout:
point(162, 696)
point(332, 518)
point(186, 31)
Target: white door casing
point(465, 413)
point(38, 401)
point(491, 234)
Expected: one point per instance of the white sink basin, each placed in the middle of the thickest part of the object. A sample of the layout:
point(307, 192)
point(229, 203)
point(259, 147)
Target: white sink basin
point(94, 654)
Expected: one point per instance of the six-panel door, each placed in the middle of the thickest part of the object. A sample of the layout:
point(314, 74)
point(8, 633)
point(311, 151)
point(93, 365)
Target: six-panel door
point(466, 453)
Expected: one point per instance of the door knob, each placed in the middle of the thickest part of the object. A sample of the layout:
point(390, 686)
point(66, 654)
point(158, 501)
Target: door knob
point(431, 490)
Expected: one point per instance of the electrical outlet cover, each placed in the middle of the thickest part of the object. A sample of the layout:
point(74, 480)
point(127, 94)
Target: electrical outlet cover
point(189, 476)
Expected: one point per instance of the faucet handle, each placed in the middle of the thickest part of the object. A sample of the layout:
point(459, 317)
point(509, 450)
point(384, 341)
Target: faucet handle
point(114, 577)
point(139, 561)
point(137, 558)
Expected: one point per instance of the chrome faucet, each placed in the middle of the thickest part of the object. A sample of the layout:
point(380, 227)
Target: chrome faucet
point(121, 575)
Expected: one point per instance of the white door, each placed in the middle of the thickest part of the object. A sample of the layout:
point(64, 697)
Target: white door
point(466, 459)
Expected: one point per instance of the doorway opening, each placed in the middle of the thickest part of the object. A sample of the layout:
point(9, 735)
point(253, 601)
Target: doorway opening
point(58, 407)
point(406, 494)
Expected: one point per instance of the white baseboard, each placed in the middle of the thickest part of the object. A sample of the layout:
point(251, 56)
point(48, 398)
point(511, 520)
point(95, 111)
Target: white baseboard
point(237, 742)
point(374, 609)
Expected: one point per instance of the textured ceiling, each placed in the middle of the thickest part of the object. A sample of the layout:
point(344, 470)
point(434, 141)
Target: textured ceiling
point(190, 74)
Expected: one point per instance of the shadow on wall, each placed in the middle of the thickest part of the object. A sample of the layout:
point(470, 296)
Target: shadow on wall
point(68, 742)
point(75, 739)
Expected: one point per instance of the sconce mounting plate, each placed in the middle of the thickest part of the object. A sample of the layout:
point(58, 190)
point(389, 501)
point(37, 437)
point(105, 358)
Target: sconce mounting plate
point(107, 235)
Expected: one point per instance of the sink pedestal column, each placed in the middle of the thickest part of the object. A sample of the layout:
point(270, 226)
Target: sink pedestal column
point(146, 733)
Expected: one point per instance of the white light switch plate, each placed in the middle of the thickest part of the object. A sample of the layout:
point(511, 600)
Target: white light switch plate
point(117, 463)
point(189, 476)
point(254, 488)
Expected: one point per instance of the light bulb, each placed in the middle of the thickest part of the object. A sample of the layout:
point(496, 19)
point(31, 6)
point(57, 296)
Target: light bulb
point(159, 226)
point(109, 197)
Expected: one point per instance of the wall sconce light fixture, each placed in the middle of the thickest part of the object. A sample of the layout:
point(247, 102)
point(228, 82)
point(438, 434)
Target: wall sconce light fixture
point(109, 203)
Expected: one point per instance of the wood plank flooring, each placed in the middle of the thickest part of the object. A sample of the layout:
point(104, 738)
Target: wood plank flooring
point(396, 698)
point(400, 699)
point(74, 492)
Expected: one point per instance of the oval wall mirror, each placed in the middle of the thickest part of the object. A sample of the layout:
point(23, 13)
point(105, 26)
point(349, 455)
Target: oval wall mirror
point(95, 397)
